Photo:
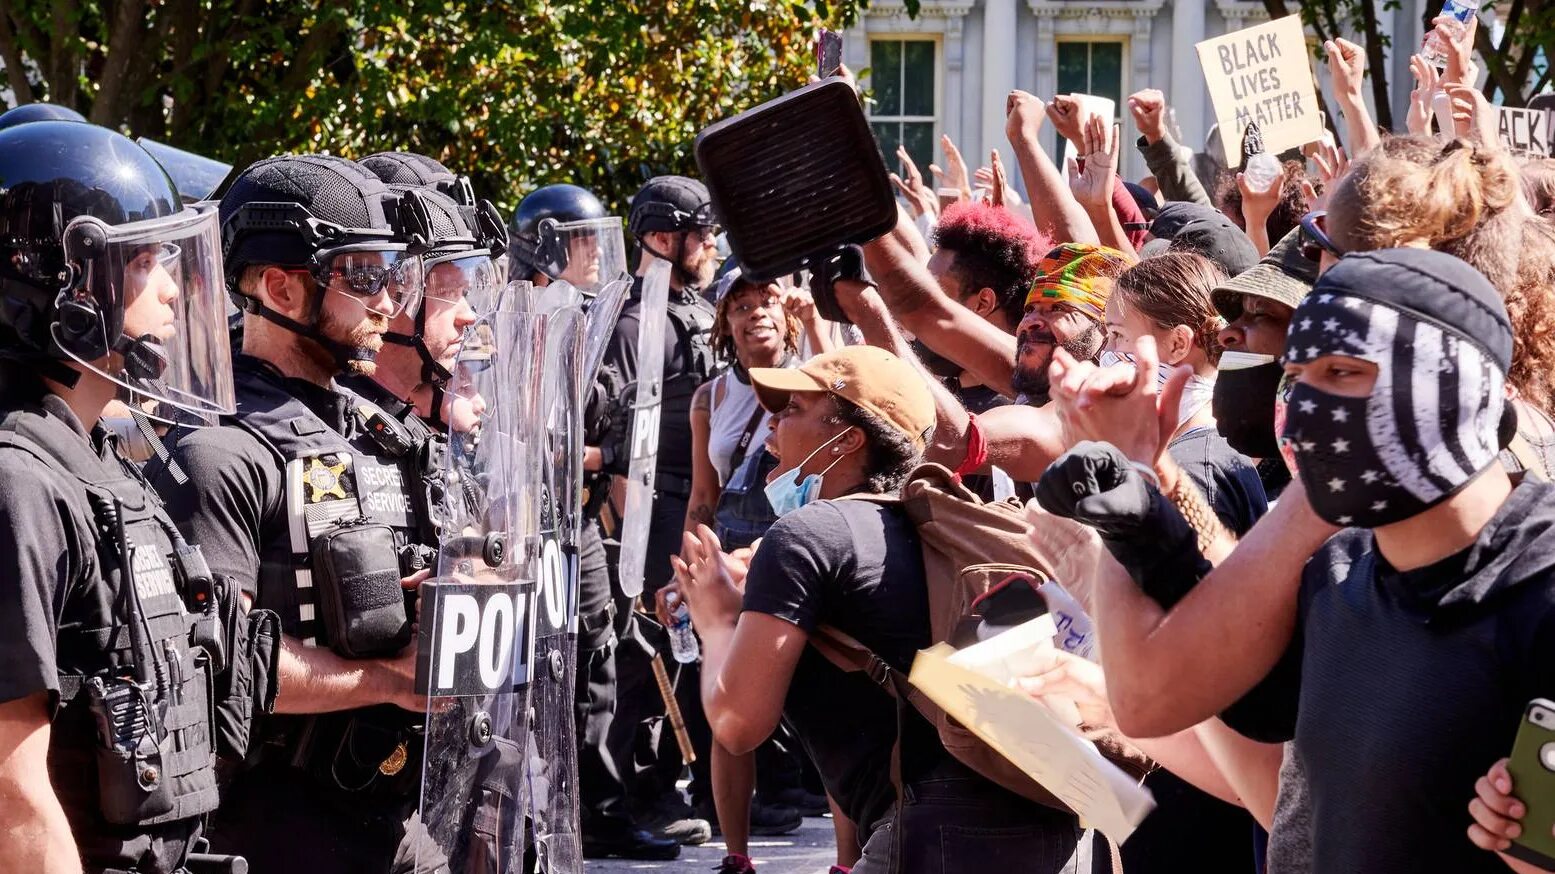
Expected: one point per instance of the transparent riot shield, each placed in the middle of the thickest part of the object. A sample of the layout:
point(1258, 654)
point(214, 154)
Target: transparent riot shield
point(476, 617)
point(644, 445)
point(554, 762)
point(602, 312)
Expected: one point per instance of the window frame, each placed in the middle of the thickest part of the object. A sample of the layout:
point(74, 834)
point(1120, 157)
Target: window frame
point(933, 121)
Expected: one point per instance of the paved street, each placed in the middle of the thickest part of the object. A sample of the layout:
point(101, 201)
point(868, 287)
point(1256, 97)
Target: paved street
point(810, 850)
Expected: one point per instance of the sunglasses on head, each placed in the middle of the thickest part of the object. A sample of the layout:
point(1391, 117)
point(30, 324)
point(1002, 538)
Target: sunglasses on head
point(1314, 237)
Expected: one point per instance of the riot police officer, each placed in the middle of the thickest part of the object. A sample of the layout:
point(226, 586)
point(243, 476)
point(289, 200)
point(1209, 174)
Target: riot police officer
point(562, 233)
point(115, 647)
point(671, 219)
point(306, 495)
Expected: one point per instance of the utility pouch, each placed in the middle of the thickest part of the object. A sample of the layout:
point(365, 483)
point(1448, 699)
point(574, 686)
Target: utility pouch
point(356, 572)
point(132, 784)
point(248, 687)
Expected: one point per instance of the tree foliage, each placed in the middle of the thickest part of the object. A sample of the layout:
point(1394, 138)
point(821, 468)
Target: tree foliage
point(601, 93)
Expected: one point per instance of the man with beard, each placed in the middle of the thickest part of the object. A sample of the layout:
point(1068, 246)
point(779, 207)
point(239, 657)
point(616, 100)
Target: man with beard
point(303, 498)
point(1065, 306)
point(671, 219)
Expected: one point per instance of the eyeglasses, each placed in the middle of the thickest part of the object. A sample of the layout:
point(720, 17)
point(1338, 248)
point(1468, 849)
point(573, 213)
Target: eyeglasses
point(1314, 237)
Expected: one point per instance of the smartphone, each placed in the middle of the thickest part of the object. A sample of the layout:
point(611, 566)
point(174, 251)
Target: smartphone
point(828, 52)
point(1533, 782)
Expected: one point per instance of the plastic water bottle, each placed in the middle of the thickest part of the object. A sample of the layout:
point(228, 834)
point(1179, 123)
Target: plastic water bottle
point(1261, 169)
point(1462, 10)
point(683, 641)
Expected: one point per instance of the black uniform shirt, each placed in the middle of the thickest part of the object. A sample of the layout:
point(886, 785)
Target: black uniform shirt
point(675, 415)
point(1401, 689)
point(45, 550)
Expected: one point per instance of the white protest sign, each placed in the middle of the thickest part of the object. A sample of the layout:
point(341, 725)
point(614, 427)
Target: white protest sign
point(1523, 131)
point(1091, 105)
point(1262, 75)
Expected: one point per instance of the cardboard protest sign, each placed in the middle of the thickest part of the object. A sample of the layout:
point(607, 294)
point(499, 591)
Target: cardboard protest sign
point(1262, 74)
point(1523, 131)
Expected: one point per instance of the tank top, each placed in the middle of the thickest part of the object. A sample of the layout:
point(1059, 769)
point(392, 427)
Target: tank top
point(732, 406)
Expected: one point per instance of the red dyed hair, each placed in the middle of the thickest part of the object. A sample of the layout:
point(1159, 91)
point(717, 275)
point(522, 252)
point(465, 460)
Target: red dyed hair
point(994, 248)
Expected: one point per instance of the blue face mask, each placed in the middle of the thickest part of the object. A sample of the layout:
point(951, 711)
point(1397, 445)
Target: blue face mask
point(788, 491)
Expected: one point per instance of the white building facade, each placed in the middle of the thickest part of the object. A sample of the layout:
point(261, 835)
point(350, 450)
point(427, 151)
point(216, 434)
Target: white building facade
point(950, 69)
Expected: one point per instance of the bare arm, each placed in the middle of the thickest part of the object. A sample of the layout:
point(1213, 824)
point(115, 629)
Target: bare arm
point(1022, 441)
point(34, 834)
point(916, 301)
point(746, 671)
point(1170, 670)
point(316, 680)
point(1052, 207)
point(705, 488)
point(1251, 768)
point(1347, 64)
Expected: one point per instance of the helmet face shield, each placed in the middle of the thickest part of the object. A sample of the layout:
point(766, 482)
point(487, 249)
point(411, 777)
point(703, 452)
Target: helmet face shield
point(460, 288)
point(589, 254)
point(147, 310)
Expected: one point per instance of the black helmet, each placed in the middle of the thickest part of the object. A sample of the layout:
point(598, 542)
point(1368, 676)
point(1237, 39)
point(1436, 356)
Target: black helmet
point(419, 171)
point(89, 221)
point(305, 211)
point(532, 246)
point(28, 112)
point(671, 203)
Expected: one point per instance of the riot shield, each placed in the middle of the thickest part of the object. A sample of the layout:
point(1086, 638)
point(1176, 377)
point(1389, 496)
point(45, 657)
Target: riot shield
point(195, 176)
point(476, 617)
point(645, 427)
point(554, 763)
point(602, 312)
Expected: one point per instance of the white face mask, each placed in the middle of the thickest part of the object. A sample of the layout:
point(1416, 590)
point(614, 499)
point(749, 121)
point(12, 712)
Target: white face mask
point(788, 492)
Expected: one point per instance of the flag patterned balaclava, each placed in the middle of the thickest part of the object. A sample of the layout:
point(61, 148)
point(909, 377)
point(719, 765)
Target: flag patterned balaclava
point(1439, 336)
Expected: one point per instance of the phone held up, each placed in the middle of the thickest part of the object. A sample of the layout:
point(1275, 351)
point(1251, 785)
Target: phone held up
point(828, 53)
point(1533, 782)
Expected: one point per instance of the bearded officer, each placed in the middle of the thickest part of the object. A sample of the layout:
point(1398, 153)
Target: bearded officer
point(306, 496)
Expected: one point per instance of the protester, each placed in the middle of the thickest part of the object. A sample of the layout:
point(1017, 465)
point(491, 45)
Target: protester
point(1436, 534)
point(730, 464)
point(851, 422)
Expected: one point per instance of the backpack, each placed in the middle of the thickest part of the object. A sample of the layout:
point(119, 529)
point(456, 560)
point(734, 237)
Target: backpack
point(971, 547)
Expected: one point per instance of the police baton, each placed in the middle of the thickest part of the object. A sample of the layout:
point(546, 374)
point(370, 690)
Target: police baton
point(672, 710)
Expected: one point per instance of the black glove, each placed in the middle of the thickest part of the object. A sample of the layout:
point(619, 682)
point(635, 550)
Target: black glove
point(1095, 484)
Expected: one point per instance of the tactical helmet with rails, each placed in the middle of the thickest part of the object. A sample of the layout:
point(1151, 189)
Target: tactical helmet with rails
point(420, 171)
point(332, 219)
point(104, 267)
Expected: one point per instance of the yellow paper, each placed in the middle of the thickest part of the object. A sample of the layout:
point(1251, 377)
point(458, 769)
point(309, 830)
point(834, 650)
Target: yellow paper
point(1027, 733)
point(1262, 74)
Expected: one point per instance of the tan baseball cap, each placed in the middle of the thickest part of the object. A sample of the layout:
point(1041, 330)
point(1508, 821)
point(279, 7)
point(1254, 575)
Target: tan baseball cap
point(867, 376)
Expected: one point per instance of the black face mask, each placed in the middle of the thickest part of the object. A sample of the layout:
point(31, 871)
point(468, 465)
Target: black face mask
point(936, 363)
point(1243, 405)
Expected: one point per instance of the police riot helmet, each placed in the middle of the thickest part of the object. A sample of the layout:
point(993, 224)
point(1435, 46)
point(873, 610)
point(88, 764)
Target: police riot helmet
point(29, 112)
point(103, 266)
point(334, 220)
point(564, 233)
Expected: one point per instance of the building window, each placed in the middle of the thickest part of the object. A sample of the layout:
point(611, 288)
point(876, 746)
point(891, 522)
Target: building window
point(1091, 67)
point(903, 77)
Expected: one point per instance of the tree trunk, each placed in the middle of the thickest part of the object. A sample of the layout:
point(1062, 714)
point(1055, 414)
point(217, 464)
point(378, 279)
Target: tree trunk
point(110, 107)
point(1376, 61)
point(11, 56)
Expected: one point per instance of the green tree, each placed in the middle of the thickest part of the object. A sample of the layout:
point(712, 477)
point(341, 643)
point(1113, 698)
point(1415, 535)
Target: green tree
point(602, 93)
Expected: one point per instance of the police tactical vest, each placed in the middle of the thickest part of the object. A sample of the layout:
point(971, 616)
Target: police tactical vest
point(693, 325)
point(373, 472)
point(132, 738)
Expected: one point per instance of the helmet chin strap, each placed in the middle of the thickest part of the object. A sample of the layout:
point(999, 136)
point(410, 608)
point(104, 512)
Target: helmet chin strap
point(688, 280)
point(145, 358)
point(343, 353)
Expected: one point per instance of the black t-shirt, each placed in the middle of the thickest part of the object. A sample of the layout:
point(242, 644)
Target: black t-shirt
point(1401, 689)
point(1228, 479)
point(855, 565)
point(675, 414)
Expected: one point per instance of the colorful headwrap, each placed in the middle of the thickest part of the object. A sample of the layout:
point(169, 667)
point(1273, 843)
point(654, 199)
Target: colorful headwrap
point(1078, 274)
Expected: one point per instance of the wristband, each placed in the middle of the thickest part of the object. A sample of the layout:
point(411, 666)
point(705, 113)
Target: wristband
point(976, 449)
